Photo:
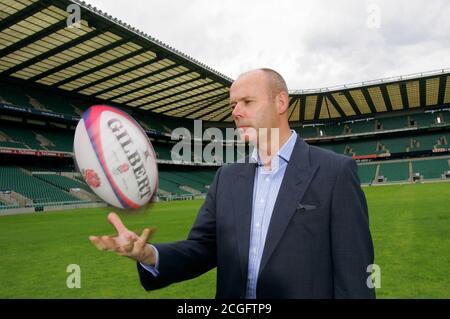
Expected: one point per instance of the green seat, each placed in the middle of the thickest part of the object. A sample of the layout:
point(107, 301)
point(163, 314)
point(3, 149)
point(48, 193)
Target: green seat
point(433, 168)
point(62, 182)
point(366, 173)
point(394, 172)
point(12, 178)
point(395, 145)
point(392, 123)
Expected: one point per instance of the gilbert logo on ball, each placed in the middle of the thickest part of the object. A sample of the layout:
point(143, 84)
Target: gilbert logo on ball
point(115, 157)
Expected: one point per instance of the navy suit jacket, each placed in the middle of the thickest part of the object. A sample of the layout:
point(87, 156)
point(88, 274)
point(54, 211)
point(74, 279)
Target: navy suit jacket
point(318, 244)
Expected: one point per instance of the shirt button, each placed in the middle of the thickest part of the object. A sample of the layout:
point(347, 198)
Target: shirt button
point(254, 250)
point(257, 225)
point(262, 200)
point(267, 179)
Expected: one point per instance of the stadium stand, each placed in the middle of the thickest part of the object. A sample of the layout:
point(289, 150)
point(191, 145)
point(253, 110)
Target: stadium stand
point(361, 147)
point(361, 127)
point(431, 168)
point(395, 145)
point(44, 90)
point(173, 187)
point(392, 123)
point(12, 178)
point(163, 150)
point(17, 134)
point(366, 173)
point(62, 182)
point(37, 138)
point(394, 172)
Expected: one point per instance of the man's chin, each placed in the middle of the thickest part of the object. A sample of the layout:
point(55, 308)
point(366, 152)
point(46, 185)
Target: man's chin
point(247, 137)
point(247, 134)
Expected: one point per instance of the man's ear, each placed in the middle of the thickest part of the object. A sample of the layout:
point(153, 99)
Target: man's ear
point(282, 102)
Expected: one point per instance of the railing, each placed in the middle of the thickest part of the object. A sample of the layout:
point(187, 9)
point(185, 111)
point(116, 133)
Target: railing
point(371, 82)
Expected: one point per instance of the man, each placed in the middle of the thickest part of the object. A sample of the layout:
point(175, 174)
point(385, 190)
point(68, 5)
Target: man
point(292, 222)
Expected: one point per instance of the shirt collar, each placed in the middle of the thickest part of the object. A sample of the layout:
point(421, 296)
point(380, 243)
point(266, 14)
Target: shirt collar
point(284, 152)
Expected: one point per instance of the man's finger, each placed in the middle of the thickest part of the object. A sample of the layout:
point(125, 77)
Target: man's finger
point(129, 246)
point(114, 219)
point(109, 243)
point(144, 237)
point(97, 242)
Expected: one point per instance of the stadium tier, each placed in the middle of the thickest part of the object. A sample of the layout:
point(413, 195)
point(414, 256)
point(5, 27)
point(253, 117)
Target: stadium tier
point(62, 182)
point(394, 172)
point(398, 122)
point(35, 189)
point(359, 127)
point(366, 173)
point(395, 145)
point(431, 168)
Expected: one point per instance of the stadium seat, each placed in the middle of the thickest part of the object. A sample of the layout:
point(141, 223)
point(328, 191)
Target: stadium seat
point(431, 168)
point(52, 101)
point(362, 147)
point(362, 126)
point(15, 179)
point(307, 131)
point(20, 134)
point(366, 173)
point(423, 119)
point(394, 172)
point(396, 145)
point(14, 94)
point(166, 184)
point(392, 123)
point(62, 182)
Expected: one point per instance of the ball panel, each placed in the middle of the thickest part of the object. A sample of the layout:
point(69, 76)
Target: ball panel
point(90, 167)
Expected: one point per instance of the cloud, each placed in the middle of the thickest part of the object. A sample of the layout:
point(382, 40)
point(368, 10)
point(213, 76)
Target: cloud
point(313, 44)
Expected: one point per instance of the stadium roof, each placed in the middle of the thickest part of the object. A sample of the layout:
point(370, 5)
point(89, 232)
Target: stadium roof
point(424, 90)
point(105, 59)
point(109, 60)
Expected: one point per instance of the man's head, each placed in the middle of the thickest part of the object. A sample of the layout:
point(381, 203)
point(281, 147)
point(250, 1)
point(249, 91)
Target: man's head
point(259, 99)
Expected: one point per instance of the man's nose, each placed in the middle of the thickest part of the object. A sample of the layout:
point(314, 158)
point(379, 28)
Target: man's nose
point(236, 113)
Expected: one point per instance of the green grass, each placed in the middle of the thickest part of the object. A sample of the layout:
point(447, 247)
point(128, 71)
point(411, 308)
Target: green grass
point(410, 227)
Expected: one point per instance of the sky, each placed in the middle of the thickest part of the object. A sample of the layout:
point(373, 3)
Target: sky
point(313, 44)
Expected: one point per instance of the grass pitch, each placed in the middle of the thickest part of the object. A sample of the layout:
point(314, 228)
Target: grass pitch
point(410, 227)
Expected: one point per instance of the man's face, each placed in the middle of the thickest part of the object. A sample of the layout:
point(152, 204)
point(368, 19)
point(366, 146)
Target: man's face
point(253, 106)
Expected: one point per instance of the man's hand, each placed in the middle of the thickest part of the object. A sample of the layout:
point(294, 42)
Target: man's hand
point(126, 243)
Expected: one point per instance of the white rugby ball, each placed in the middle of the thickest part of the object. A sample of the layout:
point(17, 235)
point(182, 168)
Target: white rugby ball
point(115, 157)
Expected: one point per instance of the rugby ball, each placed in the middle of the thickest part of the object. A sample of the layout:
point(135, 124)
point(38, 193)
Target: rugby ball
point(115, 157)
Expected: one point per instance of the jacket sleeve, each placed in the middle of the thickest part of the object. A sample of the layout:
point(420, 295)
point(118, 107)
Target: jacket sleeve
point(187, 259)
point(351, 242)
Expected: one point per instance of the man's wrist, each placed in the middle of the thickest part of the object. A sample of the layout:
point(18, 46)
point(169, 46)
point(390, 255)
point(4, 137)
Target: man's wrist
point(149, 257)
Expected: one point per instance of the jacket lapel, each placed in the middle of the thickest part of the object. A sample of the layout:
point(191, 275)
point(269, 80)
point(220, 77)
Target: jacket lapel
point(242, 190)
point(298, 175)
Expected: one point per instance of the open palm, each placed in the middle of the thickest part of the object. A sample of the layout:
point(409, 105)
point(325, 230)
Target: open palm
point(125, 243)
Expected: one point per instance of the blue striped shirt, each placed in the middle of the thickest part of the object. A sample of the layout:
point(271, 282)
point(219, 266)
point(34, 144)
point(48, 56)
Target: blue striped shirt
point(265, 192)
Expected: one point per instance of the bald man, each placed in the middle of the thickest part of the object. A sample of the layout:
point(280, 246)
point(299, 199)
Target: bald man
point(290, 222)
